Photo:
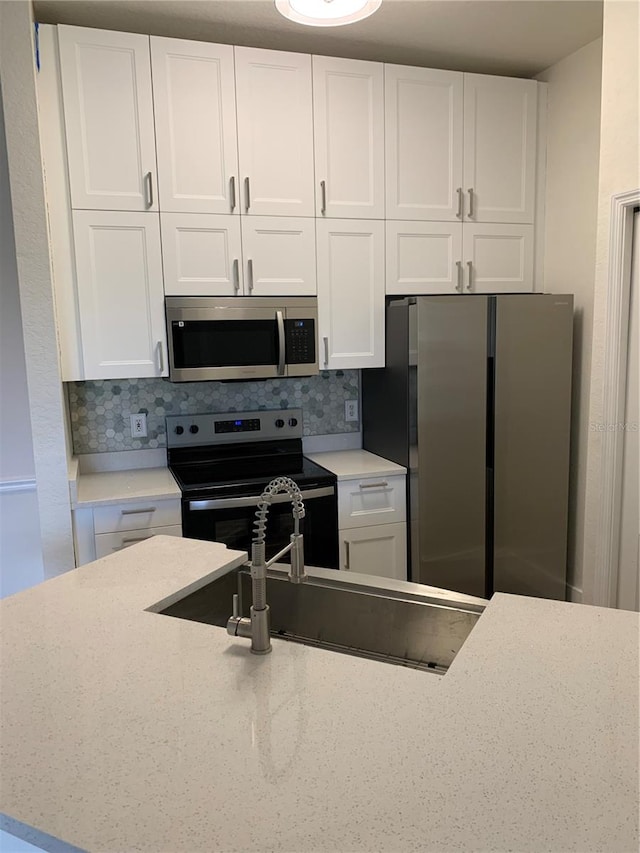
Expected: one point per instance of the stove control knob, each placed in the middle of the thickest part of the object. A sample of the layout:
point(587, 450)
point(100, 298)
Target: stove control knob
point(293, 422)
point(179, 430)
point(279, 423)
point(194, 428)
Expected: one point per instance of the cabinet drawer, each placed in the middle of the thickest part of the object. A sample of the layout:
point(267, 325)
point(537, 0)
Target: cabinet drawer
point(108, 543)
point(373, 500)
point(135, 516)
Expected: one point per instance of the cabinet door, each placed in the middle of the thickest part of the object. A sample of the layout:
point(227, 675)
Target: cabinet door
point(423, 133)
point(348, 113)
point(108, 113)
point(195, 114)
point(279, 256)
point(498, 258)
point(350, 293)
point(424, 257)
point(120, 296)
point(201, 254)
point(275, 132)
point(500, 115)
point(379, 551)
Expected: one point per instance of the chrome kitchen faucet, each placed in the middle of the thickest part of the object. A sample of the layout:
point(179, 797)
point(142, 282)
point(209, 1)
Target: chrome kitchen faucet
point(257, 625)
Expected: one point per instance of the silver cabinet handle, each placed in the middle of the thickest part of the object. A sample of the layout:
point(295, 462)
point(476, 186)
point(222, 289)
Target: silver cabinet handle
point(323, 190)
point(232, 192)
point(137, 511)
point(135, 539)
point(160, 356)
point(250, 273)
point(148, 189)
point(247, 194)
point(381, 485)
point(236, 275)
point(459, 282)
point(470, 282)
point(472, 211)
point(347, 556)
point(325, 342)
point(460, 202)
point(281, 353)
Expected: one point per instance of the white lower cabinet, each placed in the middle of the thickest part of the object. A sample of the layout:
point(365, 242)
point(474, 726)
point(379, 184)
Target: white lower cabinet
point(103, 530)
point(372, 525)
point(380, 550)
point(120, 294)
point(350, 293)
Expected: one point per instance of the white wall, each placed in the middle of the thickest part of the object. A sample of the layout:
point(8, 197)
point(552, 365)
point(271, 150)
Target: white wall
point(573, 145)
point(17, 75)
point(20, 545)
point(619, 172)
point(16, 447)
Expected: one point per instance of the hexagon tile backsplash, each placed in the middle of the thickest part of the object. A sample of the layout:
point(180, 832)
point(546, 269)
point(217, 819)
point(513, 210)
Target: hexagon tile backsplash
point(100, 409)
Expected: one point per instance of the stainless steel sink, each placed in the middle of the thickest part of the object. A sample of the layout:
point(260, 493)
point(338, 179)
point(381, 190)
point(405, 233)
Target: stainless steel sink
point(423, 631)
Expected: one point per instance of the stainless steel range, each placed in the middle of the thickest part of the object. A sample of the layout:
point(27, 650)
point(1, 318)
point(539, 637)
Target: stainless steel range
point(222, 462)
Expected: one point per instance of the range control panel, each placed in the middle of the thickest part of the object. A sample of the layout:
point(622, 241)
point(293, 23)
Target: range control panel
point(227, 427)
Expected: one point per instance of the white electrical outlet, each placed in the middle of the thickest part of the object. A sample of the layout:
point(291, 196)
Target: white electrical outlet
point(138, 425)
point(351, 410)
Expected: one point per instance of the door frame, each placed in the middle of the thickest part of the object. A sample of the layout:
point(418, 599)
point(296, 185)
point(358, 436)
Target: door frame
point(605, 582)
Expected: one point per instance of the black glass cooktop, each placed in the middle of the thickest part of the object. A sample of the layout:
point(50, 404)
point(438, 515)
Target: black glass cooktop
point(244, 468)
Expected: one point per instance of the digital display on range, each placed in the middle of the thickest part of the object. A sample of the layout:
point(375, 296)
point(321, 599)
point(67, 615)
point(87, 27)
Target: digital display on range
point(247, 425)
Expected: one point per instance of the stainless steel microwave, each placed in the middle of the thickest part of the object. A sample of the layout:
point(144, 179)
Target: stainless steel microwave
point(241, 338)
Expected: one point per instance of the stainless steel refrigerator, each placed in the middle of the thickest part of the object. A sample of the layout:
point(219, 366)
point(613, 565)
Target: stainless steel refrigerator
point(475, 401)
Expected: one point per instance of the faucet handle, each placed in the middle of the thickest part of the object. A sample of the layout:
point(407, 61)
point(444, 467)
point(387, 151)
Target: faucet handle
point(236, 606)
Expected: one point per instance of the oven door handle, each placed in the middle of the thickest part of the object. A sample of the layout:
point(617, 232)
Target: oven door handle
point(281, 342)
point(252, 500)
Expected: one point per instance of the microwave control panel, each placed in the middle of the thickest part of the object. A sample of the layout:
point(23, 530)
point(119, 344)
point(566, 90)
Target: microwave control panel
point(300, 341)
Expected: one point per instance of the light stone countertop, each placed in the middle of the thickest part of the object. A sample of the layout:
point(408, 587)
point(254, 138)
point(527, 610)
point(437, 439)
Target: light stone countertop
point(114, 487)
point(355, 464)
point(125, 730)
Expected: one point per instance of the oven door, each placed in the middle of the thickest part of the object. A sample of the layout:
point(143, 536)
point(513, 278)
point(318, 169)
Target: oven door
point(231, 521)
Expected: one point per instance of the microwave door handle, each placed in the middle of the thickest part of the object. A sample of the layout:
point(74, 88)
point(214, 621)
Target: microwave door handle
point(281, 342)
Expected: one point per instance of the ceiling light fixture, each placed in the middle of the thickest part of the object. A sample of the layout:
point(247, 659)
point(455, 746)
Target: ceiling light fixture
point(327, 13)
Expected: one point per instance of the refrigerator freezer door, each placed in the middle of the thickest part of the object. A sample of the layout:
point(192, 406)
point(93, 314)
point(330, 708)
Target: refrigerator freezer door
point(452, 412)
point(532, 420)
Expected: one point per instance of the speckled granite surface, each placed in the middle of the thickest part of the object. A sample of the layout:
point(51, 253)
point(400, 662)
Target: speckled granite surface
point(126, 730)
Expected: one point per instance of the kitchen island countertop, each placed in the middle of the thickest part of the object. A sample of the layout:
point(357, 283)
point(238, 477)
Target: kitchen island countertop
point(123, 729)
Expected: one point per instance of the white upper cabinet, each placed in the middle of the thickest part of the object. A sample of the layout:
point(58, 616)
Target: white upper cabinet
point(195, 114)
point(498, 258)
point(424, 257)
point(279, 256)
point(348, 112)
point(120, 295)
point(423, 139)
point(275, 132)
point(201, 254)
point(350, 293)
point(108, 113)
point(499, 148)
